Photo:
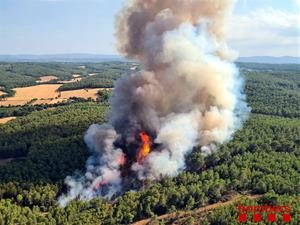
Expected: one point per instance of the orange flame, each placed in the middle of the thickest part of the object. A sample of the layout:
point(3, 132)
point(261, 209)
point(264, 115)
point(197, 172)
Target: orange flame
point(122, 160)
point(99, 184)
point(145, 149)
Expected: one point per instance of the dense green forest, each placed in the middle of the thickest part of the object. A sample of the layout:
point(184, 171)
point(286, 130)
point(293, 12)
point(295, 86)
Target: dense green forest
point(8, 111)
point(269, 67)
point(262, 158)
point(274, 93)
point(103, 75)
point(89, 82)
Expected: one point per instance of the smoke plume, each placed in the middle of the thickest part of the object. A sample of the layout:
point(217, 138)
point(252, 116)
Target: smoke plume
point(188, 94)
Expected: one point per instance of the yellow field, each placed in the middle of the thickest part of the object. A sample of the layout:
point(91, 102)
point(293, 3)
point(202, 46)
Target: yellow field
point(47, 94)
point(46, 79)
point(75, 79)
point(6, 119)
point(82, 93)
point(26, 94)
point(65, 95)
point(2, 93)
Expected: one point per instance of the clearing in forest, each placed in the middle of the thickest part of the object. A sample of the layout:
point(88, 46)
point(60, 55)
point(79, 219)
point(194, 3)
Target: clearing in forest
point(2, 93)
point(45, 79)
point(6, 119)
point(76, 78)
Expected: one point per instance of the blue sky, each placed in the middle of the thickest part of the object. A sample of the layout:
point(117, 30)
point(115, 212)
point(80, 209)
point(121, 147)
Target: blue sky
point(258, 27)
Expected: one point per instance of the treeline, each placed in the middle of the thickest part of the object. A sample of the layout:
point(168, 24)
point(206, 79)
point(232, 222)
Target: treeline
point(62, 70)
point(269, 67)
point(9, 92)
point(90, 82)
point(16, 111)
point(110, 70)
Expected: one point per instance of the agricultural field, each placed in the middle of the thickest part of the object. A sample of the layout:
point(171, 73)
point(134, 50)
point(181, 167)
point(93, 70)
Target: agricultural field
point(31, 83)
point(25, 94)
point(72, 76)
point(47, 94)
point(45, 79)
point(6, 119)
point(44, 144)
point(2, 93)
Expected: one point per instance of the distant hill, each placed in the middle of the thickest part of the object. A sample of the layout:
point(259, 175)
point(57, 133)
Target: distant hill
point(270, 59)
point(61, 58)
point(78, 57)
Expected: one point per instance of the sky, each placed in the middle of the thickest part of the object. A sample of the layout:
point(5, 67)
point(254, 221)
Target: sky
point(257, 27)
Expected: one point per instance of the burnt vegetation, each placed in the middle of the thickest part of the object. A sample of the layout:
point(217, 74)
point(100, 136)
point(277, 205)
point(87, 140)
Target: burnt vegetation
point(47, 145)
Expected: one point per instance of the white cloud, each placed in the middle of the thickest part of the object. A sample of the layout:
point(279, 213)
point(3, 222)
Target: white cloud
point(265, 32)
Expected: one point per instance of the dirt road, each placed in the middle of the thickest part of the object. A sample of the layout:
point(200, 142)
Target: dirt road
point(198, 211)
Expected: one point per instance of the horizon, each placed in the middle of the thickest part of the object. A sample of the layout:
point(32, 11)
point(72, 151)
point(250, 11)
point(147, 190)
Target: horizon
point(87, 58)
point(119, 55)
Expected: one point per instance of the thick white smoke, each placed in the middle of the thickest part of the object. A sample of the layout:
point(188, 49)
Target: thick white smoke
point(188, 94)
point(102, 168)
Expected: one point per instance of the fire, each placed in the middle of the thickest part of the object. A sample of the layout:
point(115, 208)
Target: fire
point(98, 184)
point(145, 149)
point(122, 160)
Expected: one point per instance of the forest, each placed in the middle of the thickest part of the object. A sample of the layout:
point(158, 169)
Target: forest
point(45, 144)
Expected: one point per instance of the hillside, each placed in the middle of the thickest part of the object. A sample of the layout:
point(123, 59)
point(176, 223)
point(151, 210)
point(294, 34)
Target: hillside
point(44, 144)
point(270, 59)
point(61, 58)
point(96, 58)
